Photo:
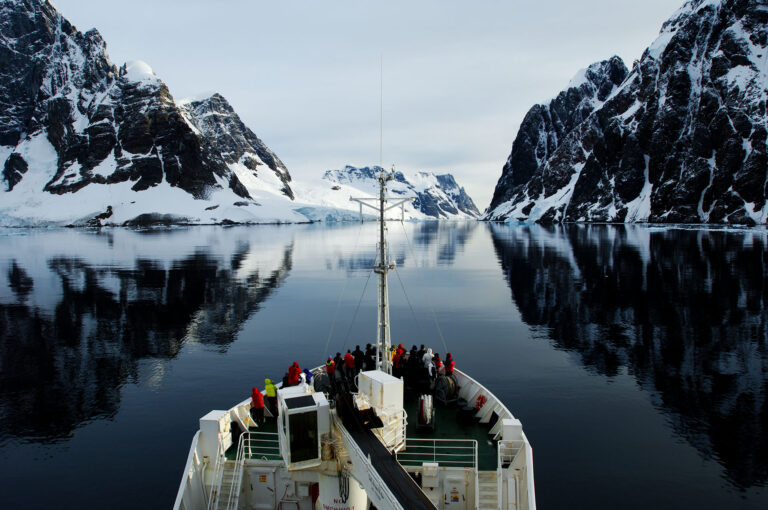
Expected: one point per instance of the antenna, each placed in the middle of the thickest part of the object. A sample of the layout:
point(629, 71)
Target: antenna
point(381, 109)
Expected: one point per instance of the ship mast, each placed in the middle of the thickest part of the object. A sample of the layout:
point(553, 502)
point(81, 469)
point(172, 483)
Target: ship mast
point(383, 339)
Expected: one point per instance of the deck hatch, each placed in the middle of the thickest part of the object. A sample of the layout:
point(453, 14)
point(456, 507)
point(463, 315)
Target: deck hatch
point(299, 402)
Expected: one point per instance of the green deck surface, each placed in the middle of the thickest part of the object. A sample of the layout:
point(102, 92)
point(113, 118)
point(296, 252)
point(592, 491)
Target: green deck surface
point(447, 427)
point(270, 425)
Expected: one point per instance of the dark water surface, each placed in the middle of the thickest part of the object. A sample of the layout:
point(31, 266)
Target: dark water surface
point(636, 357)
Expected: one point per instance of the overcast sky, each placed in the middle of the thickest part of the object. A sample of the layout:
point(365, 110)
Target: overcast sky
point(458, 77)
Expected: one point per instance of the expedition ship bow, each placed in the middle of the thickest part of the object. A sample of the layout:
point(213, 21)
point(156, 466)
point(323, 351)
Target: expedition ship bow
point(350, 445)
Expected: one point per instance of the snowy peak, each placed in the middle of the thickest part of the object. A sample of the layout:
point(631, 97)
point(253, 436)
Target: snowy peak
point(545, 126)
point(599, 80)
point(75, 125)
point(436, 196)
point(138, 71)
point(216, 120)
point(681, 139)
point(43, 57)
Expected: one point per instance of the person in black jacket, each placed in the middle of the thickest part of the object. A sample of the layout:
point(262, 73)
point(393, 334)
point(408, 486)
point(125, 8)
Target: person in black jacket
point(412, 367)
point(338, 361)
point(359, 359)
point(370, 357)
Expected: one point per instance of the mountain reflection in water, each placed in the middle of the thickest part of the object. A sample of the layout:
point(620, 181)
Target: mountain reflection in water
point(66, 353)
point(682, 310)
point(634, 356)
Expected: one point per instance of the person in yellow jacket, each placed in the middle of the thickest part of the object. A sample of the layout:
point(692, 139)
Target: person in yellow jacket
point(271, 390)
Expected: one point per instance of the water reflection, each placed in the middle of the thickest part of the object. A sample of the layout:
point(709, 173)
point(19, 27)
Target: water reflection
point(683, 311)
point(78, 319)
point(421, 244)
point(79, 310)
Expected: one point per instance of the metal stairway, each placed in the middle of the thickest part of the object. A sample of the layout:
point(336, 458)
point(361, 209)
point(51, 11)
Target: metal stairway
point(227, 491)
point(488, 484)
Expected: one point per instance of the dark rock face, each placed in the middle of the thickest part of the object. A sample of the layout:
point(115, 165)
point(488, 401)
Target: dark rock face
point(14, 169)
point(546, 126)
point(681, 139)
point(106, 124)
point(438, 196)
point(222, 127)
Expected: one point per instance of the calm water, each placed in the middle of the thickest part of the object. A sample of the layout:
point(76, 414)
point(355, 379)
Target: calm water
point(636, 357)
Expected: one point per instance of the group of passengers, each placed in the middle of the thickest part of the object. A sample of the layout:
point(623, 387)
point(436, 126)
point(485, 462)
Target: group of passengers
point(418, 367)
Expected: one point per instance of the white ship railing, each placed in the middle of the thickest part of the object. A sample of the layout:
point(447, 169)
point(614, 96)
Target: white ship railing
point(221, 459)
point(446, 452)
point(393, 435)
point(508, 450)
point(261, 446)
point(192, 491)
point(237, 478)
point(507, 453)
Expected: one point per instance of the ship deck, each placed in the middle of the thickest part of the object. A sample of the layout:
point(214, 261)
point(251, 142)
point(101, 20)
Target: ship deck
point(448, 427)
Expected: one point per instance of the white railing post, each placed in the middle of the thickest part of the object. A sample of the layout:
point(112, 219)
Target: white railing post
point(455, 452)
point(477, 478)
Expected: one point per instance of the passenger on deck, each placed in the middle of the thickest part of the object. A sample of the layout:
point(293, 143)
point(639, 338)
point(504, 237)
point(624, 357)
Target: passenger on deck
point(293, 374)
point(438, 363)
point(271, 391)
point(429, 366)
point(349, 366)
point(257, 407)
point(330, 370)
point(396, 363)
point(422, 352)
point(359, 359)
point(370, 357)
point(412, 367)
point(285, 380)
point(449, 364)
point(338, 362)
point(308, 376)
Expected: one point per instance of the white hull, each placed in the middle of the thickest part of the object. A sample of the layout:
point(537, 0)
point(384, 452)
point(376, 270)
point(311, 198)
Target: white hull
point(209, 481)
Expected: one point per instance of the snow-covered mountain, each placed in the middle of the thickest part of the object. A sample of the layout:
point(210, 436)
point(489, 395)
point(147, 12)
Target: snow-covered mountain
point(435, 196)
point(215, 120)
point(85, 142)
point(681, 138)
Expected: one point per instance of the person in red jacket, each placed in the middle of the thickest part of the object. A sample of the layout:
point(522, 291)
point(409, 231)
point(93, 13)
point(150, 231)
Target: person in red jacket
point(257, 407)
point(449, 364)
point(293, 374)
point(396, 363)
point(330, 369)
point(438, 363)
point(349, 365)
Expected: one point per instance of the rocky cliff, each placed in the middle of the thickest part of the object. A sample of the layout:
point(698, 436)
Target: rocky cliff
point(681, 138)
point(73, 124)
